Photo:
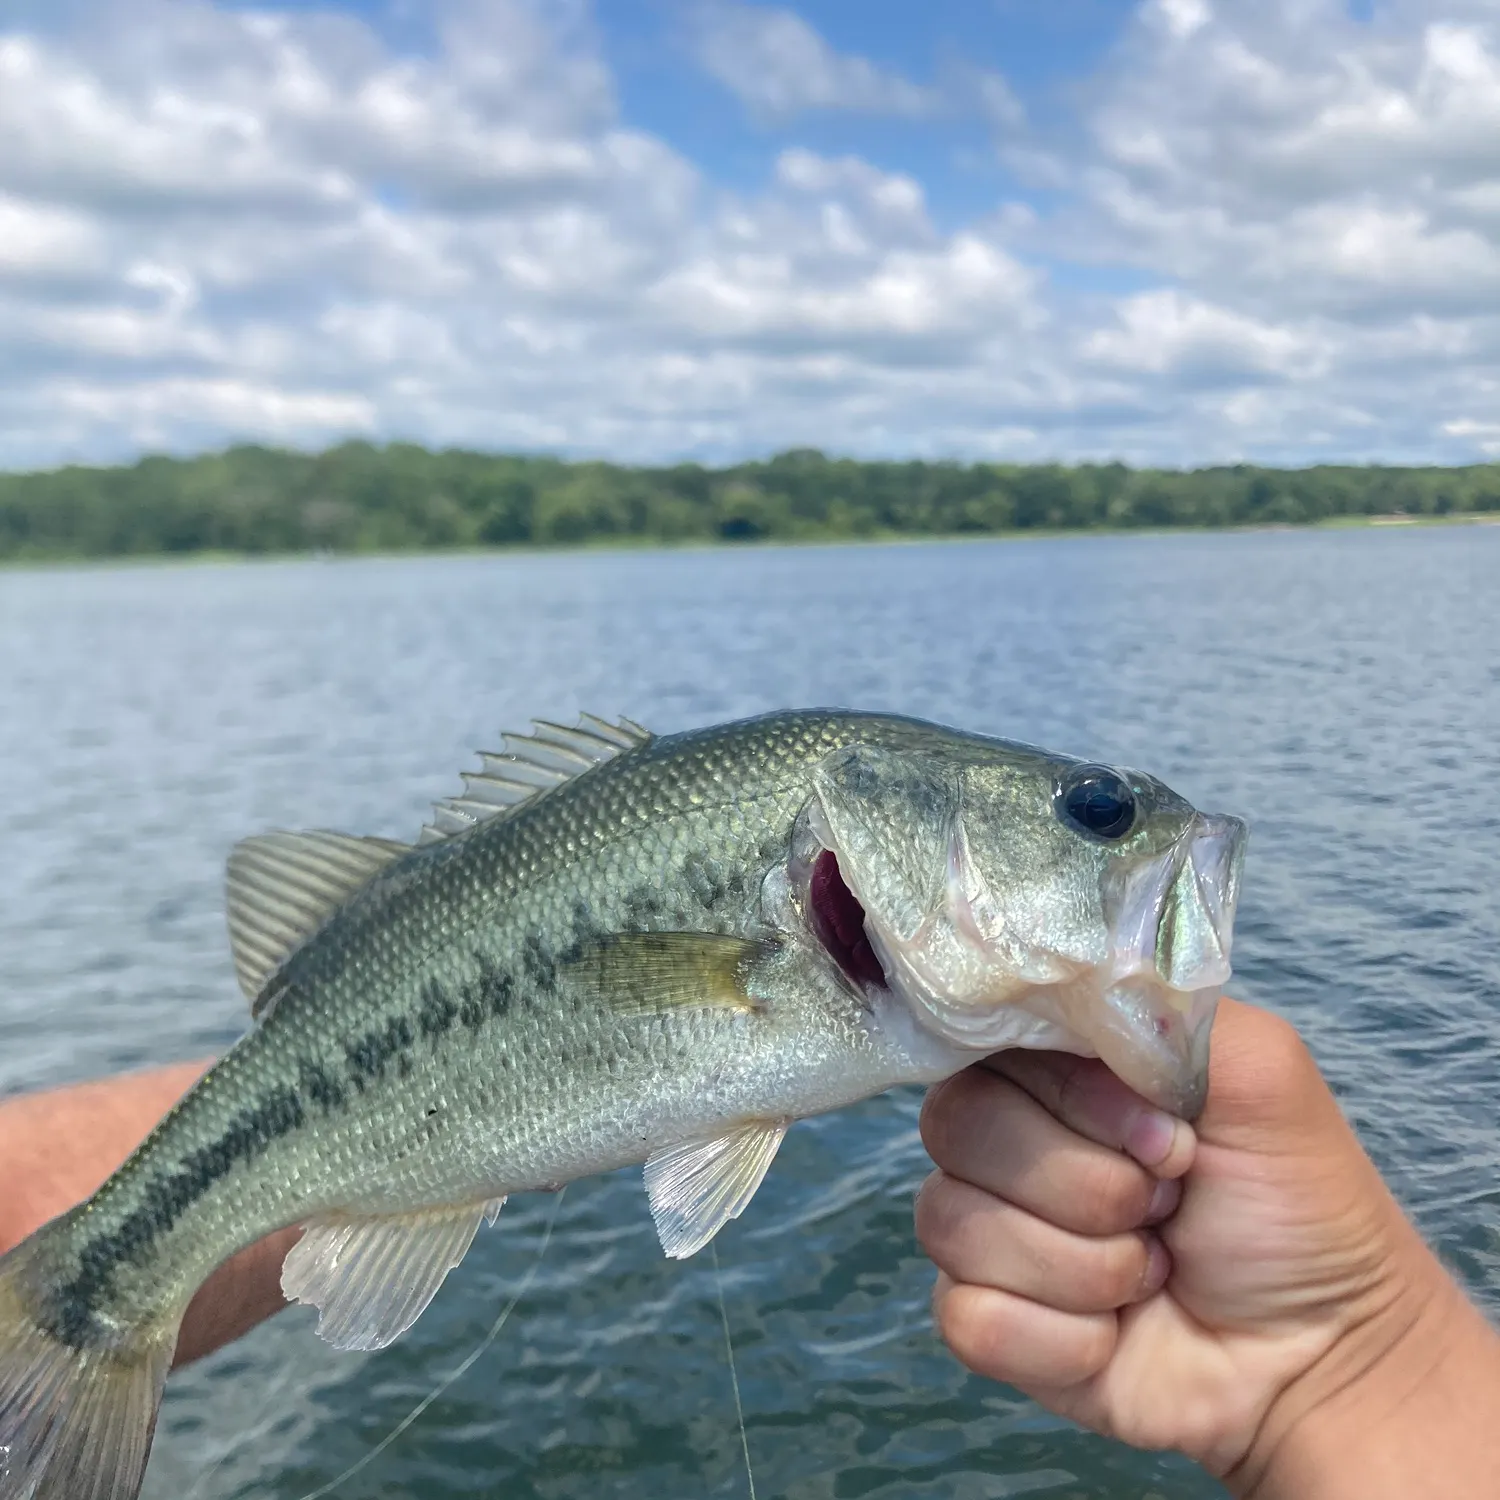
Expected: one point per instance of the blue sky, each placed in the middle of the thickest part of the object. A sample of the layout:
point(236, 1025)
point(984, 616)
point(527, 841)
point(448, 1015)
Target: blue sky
point(1171, 231)
point(1040, 51)
point(1044, 52)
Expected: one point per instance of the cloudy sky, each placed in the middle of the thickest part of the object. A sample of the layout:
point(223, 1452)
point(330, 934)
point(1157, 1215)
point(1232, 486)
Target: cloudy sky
point(1174, 231)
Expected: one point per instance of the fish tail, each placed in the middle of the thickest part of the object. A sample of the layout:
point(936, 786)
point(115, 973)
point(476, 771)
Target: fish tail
point(76, 1418)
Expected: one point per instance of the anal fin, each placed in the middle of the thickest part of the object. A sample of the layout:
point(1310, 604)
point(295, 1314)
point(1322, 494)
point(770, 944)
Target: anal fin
point(372, 1278)
point(697, 1187)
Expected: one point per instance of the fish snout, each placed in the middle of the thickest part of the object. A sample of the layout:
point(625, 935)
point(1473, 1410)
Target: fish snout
point(1172, 932)
point(1195, 926)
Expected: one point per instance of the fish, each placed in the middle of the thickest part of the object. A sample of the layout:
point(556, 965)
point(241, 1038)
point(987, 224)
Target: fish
point(611, 949)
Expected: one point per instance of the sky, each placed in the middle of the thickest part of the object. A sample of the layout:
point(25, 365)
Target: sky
point(1171, 232)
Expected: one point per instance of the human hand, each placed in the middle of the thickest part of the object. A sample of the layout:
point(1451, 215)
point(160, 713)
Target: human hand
point(1249, 1294)
point(58, 1146)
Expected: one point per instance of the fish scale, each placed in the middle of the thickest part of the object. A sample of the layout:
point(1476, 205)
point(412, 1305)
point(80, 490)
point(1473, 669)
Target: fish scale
point(605, 952)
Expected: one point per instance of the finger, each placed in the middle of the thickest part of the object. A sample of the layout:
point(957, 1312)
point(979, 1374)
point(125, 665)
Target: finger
point(1088, 1098)
point(979, 1239)
point(981, 1128)
point(1020, 1342)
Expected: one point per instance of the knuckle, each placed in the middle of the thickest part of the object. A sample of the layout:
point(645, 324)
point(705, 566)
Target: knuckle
point(934, 1214)
point(952, 1119)
point(935, 1120)
point(952, 1223)
point(969, 1326)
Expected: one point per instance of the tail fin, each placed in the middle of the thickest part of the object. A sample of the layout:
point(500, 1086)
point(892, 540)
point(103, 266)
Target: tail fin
point(75, 1423)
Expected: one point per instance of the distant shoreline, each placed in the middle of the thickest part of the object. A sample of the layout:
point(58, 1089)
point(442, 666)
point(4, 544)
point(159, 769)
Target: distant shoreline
point(358, 499)
point(595, 545)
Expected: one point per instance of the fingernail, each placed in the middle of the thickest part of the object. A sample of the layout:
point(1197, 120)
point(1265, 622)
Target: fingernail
point(1150, 1137)
point(1164, 1200)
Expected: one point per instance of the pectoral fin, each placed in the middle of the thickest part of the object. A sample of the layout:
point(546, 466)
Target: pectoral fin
point(646, 972)
point(697, 1187)
point(372, 1278)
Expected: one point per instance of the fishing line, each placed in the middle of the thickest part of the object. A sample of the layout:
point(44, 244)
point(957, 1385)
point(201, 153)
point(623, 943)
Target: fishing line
point(454, 1375)
point(285, 1380)
point(734, 1378)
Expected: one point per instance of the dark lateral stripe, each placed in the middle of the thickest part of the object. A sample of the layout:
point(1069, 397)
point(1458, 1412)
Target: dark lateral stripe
point(389, 1043)
point(316, 1084)
point(488, 997)
point(164, 1200)
point(437, 1011)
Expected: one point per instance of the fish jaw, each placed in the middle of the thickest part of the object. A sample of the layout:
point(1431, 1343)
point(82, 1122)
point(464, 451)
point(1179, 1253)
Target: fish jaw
point(1155, 1040)
point(1143, 1001)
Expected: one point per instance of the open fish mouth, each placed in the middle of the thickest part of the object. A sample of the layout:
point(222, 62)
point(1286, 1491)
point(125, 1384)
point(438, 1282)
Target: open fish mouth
point(1143, 999)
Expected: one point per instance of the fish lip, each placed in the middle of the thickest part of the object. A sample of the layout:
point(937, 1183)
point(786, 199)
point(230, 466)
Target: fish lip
point(1202, 868)
point(1216, 855)
point(1158, 1043)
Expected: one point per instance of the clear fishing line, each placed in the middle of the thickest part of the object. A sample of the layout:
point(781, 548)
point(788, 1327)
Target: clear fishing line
point(454, 1375)
point(285, 1380)
point(734, 1379)
point(443, 1385)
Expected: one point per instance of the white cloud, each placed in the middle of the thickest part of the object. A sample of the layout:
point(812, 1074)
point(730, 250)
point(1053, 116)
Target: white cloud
point(779, 66)
point(217, 225)
point(1180, 18)
point(961, 292)
point(39, 240)
point(1167, 331)
point(283, 229)
point(1320, 197)
point(1485, 434)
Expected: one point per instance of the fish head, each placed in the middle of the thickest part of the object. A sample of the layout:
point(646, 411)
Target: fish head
point(1014, 898)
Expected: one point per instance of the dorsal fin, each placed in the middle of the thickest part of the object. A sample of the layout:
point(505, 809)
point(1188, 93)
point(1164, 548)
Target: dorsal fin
point(281, 887)
point(527, 766)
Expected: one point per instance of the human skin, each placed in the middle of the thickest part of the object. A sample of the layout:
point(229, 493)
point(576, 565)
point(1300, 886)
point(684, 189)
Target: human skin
point(57, 1147)
point(1248, 1292)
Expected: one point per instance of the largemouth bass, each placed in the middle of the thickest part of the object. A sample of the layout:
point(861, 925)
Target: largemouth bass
point(611, 949)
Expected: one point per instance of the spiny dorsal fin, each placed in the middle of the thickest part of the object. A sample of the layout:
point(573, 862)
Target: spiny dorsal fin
point(647, 973)
point(695, 1188)
point(371, 1278)
point(281, 887)
point(529, 765)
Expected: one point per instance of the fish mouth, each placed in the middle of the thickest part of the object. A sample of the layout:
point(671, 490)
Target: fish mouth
point(1145, 1006)
point(839, 923)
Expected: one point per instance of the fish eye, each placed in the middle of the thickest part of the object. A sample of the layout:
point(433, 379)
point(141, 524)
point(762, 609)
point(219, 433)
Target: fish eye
point(1096, 801)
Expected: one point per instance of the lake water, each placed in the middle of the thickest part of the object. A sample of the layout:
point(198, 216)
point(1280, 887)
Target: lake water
point(1340, 689)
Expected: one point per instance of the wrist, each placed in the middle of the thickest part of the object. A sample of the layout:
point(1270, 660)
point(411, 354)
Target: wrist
point(1405, 1402)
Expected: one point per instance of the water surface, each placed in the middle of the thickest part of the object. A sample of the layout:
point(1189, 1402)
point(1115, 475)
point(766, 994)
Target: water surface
point(1337, 688)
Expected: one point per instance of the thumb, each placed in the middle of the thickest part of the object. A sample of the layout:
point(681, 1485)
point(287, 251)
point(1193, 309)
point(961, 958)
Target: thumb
point(1265, 1092)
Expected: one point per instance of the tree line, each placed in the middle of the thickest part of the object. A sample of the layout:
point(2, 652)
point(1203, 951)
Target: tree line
point(360, 497)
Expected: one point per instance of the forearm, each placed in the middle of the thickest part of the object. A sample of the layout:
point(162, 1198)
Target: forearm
point(1419, 1417)
point(57, 1147)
